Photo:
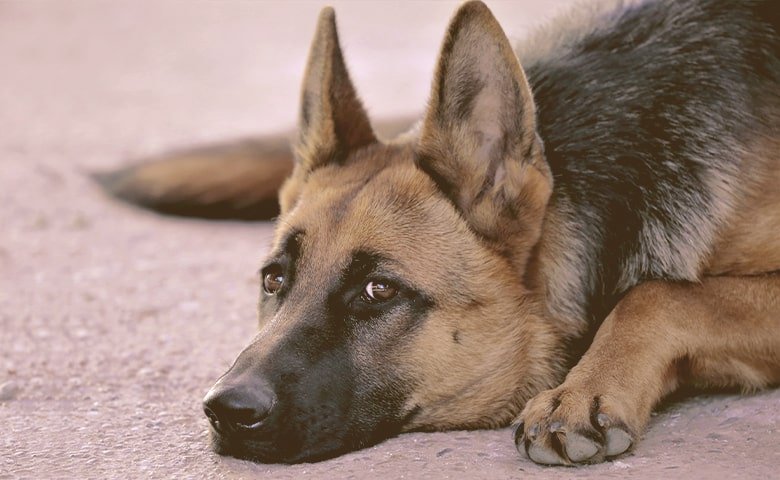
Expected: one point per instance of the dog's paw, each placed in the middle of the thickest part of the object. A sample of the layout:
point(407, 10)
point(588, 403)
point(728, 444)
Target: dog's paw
point(566, 426)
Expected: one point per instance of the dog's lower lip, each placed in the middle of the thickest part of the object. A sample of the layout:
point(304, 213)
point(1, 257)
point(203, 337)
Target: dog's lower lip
point(237, 448)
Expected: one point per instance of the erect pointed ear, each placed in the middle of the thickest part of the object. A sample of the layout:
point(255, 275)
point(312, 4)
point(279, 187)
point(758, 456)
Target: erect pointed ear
point(332, 120)
point(478, 140)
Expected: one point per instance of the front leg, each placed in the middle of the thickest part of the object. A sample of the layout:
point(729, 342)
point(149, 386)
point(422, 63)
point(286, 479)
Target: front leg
point(724, 331)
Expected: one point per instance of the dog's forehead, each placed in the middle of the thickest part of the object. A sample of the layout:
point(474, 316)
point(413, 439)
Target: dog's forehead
point(392, 209)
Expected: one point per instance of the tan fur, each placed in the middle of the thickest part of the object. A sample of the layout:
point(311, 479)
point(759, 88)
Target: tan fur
point(237, 177)
point(722, 332)
point(236, 174)
point(750, 243)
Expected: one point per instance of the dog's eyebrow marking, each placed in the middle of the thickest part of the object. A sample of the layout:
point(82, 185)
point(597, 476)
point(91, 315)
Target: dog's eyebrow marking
point(362, 263)
point(290, 248)
point(291, 245)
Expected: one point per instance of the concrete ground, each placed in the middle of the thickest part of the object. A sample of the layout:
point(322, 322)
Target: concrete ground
point(114, 321)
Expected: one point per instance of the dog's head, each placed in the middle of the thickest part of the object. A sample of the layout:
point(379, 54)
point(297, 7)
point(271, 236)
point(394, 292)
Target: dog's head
point(393, 297)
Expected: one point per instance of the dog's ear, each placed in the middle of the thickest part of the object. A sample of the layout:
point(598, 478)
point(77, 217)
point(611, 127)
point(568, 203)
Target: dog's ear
point(478, 141)
point(332, 121)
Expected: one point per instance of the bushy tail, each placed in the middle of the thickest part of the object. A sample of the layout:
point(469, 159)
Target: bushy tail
point(236, 180)
point(232, 180)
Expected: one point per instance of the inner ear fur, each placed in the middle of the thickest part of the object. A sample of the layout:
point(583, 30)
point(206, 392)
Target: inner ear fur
point(478, 140)
point(332, 121)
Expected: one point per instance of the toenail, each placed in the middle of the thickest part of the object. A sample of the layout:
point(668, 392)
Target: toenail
point(519, 431)
point(556, 427)
point(602, 419)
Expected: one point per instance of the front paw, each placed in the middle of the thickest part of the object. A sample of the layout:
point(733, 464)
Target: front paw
point(566, 426)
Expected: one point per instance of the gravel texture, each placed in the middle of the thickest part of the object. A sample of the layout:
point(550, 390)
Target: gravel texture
point(114, 321)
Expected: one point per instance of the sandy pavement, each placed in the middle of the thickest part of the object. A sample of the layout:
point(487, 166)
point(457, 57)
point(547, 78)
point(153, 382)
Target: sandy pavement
point(114, 321)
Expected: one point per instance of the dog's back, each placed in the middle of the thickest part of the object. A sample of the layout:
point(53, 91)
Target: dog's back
point(659, 120)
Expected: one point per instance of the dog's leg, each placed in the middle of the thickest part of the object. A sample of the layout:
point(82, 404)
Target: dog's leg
point(724, 331)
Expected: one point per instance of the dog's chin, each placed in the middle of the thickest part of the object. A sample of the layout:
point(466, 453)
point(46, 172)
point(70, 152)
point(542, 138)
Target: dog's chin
point(267, 452)
point(246, 449)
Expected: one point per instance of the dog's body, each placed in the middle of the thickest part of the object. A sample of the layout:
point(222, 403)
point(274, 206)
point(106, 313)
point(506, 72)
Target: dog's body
point(634, 197)
point(656, 127)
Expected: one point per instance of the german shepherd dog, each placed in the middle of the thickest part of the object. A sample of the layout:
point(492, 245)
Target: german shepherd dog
point(558, 245)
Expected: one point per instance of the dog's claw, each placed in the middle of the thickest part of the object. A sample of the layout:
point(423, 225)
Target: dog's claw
point(602, 419)
point(556, 427)
point(519, 433)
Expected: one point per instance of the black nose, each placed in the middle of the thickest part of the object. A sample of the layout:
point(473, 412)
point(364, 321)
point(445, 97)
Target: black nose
point(238, 408)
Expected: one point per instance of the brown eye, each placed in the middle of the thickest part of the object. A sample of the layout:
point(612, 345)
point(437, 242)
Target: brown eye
point(273, 279)
point(378, 292)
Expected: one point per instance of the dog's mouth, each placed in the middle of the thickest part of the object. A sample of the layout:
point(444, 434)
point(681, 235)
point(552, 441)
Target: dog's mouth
point(261, 451)
point(246, 449)
point(289, 451)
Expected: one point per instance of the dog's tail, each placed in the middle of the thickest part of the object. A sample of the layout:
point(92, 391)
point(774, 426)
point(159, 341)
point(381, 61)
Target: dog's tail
point(236, 180)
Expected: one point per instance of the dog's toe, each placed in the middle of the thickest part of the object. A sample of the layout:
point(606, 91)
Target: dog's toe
point(540, 453)
point(580, 448)
point(566, 427)
point(557, 447)
point(618, 441)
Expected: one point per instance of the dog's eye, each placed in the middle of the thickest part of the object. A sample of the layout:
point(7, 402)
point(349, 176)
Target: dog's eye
point(273, 279)
point(375, 292)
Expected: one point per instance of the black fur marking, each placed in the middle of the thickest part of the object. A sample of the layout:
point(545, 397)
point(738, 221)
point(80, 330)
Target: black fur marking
point(426, 164)
point(305, 120)
point(556, 403)
point(591, 434)
point(446, 50)
point(468, 87)
point(639, 117)
point(595, 409)
point(556, 442)
point(288, 257)
point(323, 410)
point(362, 264)
point(518, 433)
